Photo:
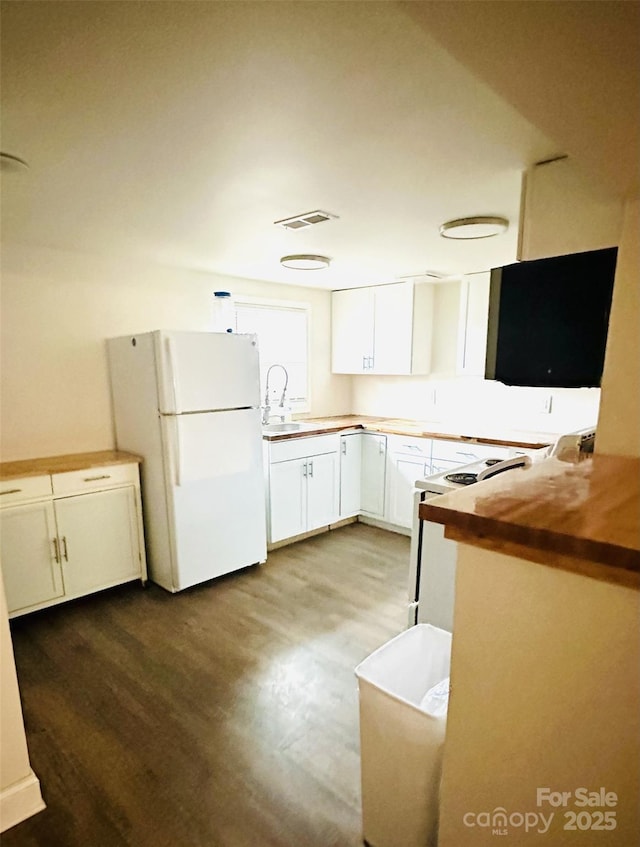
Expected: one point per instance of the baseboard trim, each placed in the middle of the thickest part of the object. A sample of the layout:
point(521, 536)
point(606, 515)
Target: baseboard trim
point(390, 527)
point(292, 540)
point(19, 801)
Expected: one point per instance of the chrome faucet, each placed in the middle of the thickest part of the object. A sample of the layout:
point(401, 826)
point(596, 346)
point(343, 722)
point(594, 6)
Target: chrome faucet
point(266, 409)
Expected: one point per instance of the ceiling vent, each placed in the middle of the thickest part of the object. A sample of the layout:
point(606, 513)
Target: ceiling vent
point(306, 219)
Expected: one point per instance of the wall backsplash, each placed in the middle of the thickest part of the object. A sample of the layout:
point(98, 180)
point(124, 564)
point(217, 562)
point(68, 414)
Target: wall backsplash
point(476, 402)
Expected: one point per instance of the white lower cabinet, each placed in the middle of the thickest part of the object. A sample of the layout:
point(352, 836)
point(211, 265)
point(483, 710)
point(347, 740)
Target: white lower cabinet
point(374, 472)
point(350, 474)
point(30, 558)
point(99, 540)
point(403, 473)
point(303, 489)
point(60, 546)
point(287, 499)
point(314, 481)
point(409, 460)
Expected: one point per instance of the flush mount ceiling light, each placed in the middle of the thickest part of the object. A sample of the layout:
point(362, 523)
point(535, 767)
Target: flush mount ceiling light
point(305, 262)
point(478, 227)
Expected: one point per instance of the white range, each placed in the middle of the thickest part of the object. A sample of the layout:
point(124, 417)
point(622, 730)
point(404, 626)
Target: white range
point(432, 568)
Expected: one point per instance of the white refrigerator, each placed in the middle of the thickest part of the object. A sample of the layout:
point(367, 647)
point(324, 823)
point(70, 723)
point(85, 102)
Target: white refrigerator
point(189, 404)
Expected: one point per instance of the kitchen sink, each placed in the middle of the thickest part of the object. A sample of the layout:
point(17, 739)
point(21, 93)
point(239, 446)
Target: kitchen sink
point(281, 427)
point(291, 426)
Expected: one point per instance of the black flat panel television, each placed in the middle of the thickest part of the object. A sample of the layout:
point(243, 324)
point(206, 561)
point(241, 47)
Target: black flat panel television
point(548, 320)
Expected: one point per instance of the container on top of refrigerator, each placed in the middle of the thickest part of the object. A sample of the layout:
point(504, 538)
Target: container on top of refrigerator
point(223, 312)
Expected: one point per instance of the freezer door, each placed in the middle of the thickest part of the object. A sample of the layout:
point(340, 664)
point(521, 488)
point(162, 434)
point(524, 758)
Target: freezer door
point(215, 486)
point(203, 371)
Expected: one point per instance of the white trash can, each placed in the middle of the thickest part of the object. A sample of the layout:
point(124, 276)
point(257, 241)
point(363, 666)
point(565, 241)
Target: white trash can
point(401, 744)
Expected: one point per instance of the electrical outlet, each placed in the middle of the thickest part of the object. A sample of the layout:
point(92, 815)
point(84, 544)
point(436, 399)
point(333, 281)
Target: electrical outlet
point(546, 404)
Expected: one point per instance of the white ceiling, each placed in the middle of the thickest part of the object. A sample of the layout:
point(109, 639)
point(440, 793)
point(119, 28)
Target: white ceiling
point(179, 132)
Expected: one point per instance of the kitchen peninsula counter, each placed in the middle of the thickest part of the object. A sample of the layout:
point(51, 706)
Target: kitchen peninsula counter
point(577, 515)
point(451, 431)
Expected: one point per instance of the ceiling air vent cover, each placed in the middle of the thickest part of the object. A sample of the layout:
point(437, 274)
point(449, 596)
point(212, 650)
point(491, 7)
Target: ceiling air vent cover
point(306, 219)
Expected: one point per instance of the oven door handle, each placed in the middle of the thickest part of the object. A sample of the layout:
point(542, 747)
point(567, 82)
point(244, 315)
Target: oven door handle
point(506, 465)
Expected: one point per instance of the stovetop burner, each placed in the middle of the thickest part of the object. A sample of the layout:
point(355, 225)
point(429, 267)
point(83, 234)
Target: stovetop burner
point(462, 478)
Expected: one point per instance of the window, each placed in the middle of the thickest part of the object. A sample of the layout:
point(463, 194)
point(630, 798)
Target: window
point(283, 333)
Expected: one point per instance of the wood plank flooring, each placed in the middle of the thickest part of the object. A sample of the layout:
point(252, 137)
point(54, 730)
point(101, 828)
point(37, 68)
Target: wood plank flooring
point(223, 716)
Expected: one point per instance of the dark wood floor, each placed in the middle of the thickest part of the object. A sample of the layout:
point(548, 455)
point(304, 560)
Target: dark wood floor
point(224, 716)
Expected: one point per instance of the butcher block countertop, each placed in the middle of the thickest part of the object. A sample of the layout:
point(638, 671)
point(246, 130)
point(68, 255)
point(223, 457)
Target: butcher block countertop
point(478, 434)
point(63, 464)
point(581, 515)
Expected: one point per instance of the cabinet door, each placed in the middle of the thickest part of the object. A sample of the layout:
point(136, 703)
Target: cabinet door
point(287, 499)
point(350, 473)
point(322, 478)
point(563, 212)
point(30, 570)
point(404, 471)
point(99, 540)
point(352, 321)
point(374, 458)
point(393, 319)
point(474, 317)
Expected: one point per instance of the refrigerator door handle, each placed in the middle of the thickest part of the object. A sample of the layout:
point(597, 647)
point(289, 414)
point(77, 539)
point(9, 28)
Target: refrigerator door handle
point(178, 455)
point(172, 430)
point(174, 378)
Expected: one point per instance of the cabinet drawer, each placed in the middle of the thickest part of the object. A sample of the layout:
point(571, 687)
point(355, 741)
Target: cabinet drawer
point(26, 488)
point(409, 445)
point(94, 479)
point(465, 452)
point(301, 448)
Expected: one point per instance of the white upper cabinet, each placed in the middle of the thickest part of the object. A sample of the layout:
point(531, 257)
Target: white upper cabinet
point(563, 213)
point(472, 331)
point(383, 329)
point(352, 323)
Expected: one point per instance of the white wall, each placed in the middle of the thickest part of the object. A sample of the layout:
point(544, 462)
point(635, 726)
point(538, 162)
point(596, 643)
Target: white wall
point(476, 403)
point(619, 423)
point(545, 690)
point(468, 403)
point(57, 310)
point(545, 665)
point(19, 787)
